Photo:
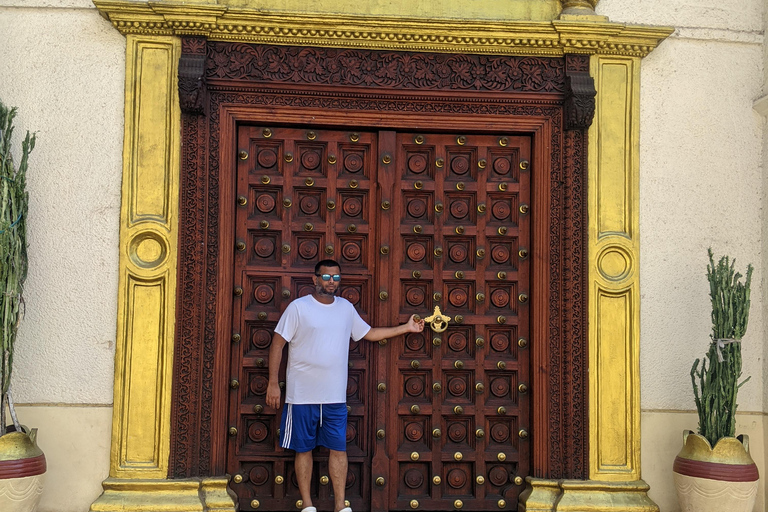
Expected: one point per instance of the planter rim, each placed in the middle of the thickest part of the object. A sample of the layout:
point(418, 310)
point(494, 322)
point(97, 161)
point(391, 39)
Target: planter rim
point(19, 445)
point(727, 450)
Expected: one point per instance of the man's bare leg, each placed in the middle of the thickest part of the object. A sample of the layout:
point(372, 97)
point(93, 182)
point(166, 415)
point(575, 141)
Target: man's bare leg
point(303, 468)
point(337, 466)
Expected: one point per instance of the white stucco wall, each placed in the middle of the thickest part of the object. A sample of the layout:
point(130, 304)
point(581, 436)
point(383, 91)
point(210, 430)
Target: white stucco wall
point(65, 70)
point(701, 185)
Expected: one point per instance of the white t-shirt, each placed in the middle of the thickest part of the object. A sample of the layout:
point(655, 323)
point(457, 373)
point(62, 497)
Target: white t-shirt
point(318, 335)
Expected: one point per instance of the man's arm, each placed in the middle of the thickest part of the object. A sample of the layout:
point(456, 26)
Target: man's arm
point(275, 357)
point(379, 333)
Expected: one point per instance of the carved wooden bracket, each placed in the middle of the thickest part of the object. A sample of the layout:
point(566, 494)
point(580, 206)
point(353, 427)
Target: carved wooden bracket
point(192, 90)
point(579, 93)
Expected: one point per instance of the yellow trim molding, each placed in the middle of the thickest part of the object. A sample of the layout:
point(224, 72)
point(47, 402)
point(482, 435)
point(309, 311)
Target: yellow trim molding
point(148, 240)
point(220, 22)
point(614, 249)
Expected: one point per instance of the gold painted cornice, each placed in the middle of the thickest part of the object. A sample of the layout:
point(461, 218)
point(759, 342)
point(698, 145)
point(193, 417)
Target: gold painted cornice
point(220, 22)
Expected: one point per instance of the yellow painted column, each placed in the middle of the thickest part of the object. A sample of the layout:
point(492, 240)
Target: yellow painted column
point(614, 296)
point(147, 291)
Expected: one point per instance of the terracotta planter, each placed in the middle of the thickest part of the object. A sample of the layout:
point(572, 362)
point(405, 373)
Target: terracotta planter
point(721, 479)
point(22, 466)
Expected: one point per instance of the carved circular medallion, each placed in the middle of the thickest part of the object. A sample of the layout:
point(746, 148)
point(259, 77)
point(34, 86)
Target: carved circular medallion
point(500, 298)
point(264, 248)
point(352, 206)
point(459, 208)
point(309, 205)
point(458, 253)
point(353, 162)
point(414, 341)
point(257, 431)
point(501, 210)
point(498, 476)
point(351, 432)
point(415, 296)
point(457, 432)
point(457, 386)
point(500, 254)
point(261, 338)
point(413, 478)
point(500, 432)
point(460, 164)
point(351, 478)
point(502, 165)
point(458, 297)
point(263, 293)
point(500, 342)
point(350, 251)
point(310, 160)
point(417, 163)
point(417, 208)
point(308, 249)
point(414, 386)
point(258, 384)
point(414, 431)
point(352, 294)
point(457, 341)
point(500, 387)
point(456, 478)
point(267, 158)
point(416, 251)
point(306, 289)
point(265, 203)
point(258, 475)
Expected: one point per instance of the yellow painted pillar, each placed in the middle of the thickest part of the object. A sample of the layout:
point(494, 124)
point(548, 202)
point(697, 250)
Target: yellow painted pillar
point(147, 290)
point(614, 297)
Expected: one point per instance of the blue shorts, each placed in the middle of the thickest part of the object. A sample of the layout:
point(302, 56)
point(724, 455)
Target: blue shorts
point(305, 426)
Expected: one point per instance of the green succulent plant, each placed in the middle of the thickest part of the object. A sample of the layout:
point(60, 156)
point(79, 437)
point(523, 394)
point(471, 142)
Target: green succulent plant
point(14, 203)
point(716, 384)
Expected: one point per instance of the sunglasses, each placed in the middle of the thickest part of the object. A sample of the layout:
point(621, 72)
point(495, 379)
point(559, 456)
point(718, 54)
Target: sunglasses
point(328, 277)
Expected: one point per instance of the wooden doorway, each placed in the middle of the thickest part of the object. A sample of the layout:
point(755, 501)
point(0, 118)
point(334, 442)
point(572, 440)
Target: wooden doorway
point(437, 420)
point(388, 99)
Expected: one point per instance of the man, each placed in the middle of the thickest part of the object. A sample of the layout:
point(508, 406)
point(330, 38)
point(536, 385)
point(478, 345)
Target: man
point(318, 328)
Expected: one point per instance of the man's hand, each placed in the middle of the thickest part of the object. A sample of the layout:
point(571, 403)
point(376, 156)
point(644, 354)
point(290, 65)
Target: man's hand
point(413, 325)
point(273, 395)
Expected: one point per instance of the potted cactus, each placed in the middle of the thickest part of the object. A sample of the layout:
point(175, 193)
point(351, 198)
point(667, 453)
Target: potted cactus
point(714, 471)
point(22, 463)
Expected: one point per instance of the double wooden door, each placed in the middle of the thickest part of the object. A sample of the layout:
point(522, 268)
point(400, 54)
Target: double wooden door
point(438, 420)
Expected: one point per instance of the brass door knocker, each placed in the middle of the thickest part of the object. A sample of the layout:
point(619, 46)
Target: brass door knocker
point(438, 322)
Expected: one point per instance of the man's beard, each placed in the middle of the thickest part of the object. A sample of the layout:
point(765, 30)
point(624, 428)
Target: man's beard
point(322, 291)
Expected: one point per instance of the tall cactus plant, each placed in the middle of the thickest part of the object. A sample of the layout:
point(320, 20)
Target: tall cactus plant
point(716, 384)
point(14, 202)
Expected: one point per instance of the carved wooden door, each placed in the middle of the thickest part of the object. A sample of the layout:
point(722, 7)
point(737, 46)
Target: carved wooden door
point(303, 196)
point(457, 407)
point(437, 420)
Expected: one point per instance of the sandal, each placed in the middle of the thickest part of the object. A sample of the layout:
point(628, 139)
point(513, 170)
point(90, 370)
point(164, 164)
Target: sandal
point(309, 509)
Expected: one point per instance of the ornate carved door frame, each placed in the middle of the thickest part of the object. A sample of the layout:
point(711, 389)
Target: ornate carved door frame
point(223, 84)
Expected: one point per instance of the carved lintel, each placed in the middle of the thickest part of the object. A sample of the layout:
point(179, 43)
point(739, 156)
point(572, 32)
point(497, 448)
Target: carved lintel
point(579, 93)
point(192, 88)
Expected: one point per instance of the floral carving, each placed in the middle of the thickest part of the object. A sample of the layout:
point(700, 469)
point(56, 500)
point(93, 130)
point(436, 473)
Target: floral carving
point(393, 70)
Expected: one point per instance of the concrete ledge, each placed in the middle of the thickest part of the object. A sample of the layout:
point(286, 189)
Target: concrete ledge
point(189, 495)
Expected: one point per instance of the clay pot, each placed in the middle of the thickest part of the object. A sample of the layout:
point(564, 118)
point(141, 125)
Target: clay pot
point(715, 479)
point(22, 466)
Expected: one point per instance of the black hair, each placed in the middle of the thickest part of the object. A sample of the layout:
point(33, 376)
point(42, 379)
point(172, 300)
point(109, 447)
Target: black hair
point(326, 263)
